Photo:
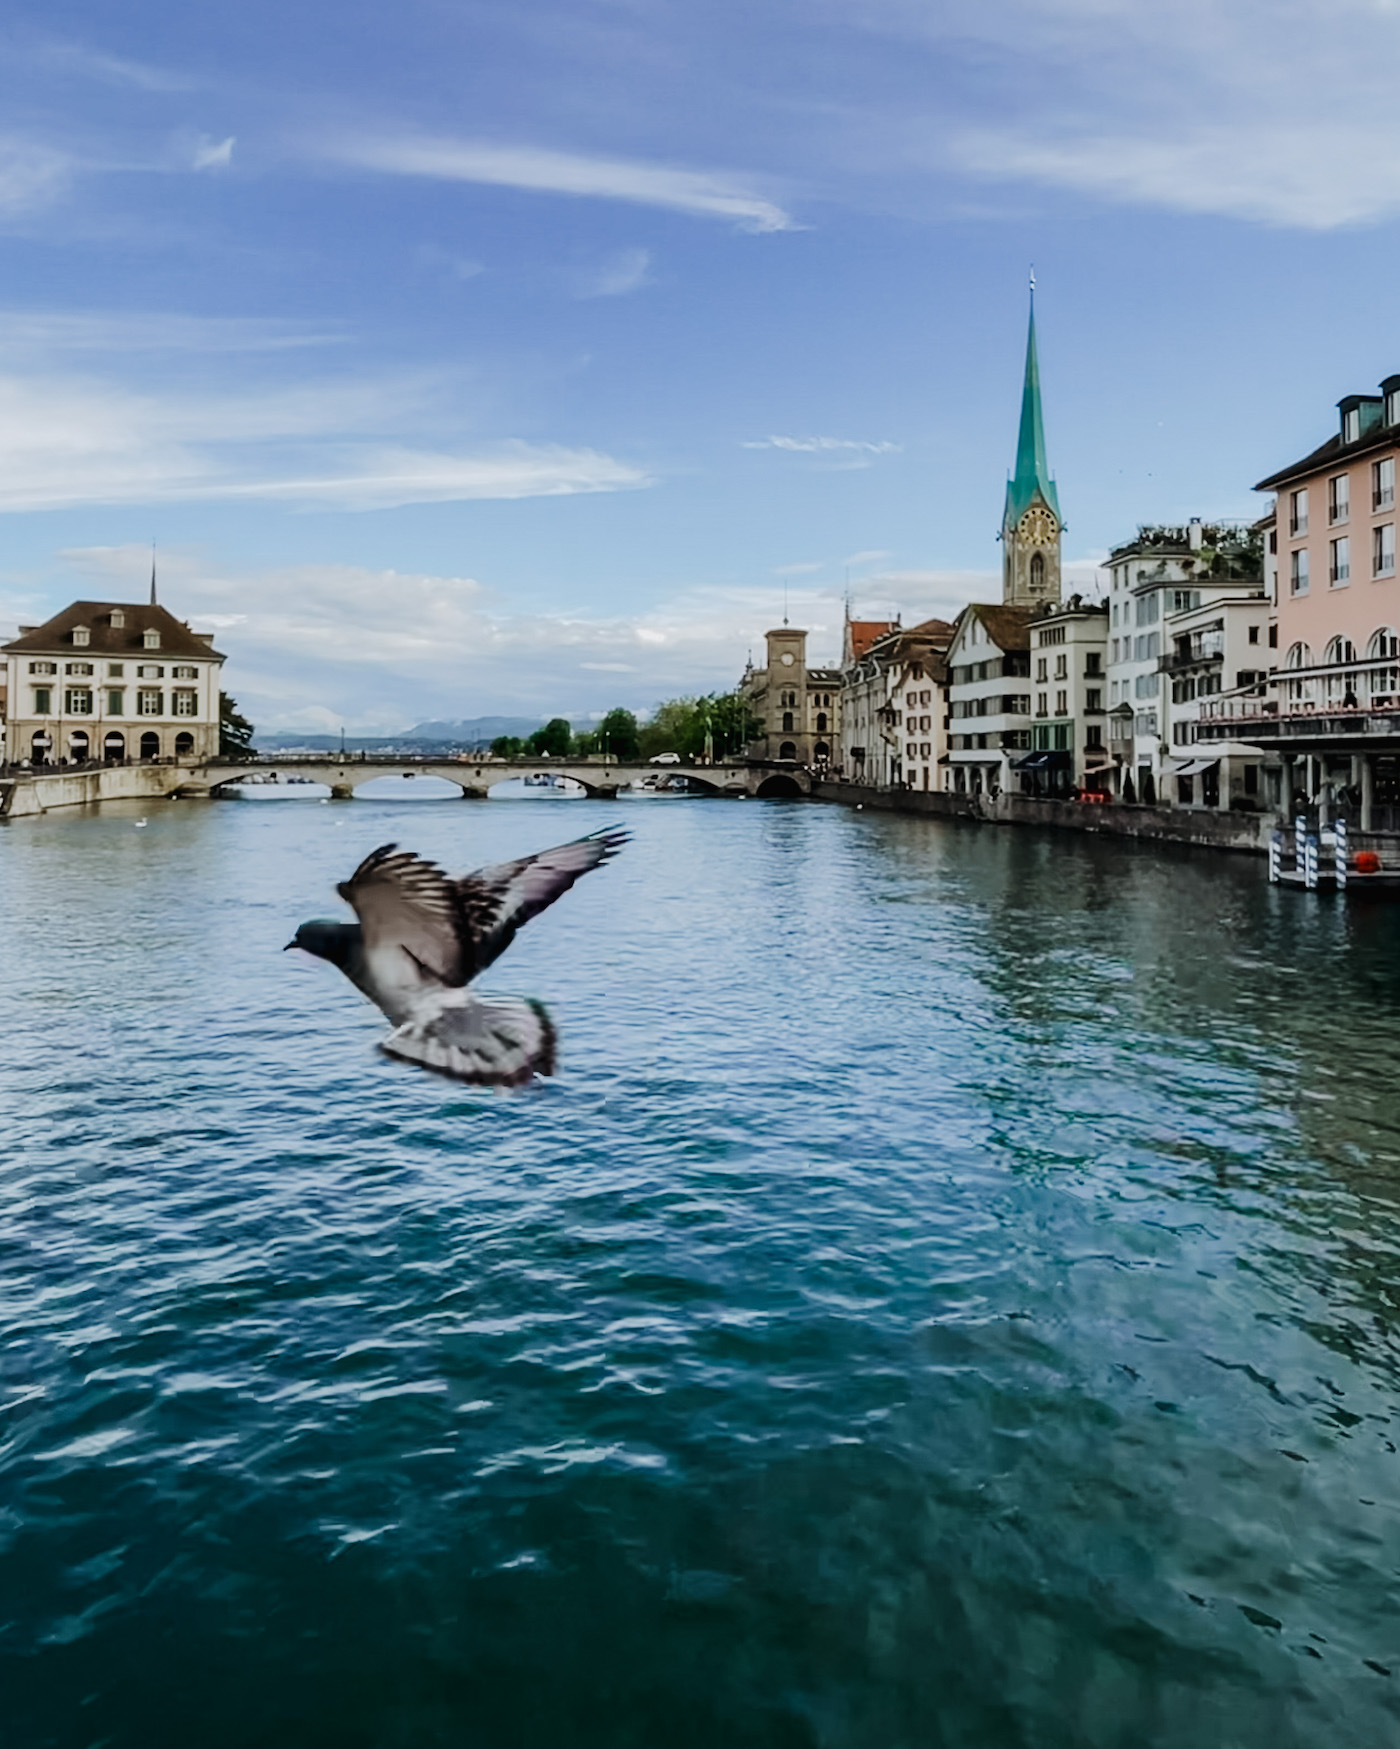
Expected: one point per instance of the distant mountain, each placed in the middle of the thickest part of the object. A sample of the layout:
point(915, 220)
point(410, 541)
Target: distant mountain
point(466, 736)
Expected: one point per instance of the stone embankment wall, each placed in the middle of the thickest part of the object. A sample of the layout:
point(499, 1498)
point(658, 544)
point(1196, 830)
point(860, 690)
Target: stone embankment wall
point(37, 792)
point(1246, 832)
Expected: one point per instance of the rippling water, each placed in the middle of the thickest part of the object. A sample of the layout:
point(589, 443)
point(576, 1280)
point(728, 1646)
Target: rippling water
point(948, 1297)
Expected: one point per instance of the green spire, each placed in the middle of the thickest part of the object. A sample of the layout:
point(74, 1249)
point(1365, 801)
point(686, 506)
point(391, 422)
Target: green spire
point(1032, 476)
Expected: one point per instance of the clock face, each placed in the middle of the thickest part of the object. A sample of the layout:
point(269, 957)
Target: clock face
point(1038, 526)
point(788, 658)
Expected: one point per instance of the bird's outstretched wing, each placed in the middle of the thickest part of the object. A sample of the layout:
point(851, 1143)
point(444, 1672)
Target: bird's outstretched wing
point(411, 919)
point(493, 1041)
point(496, 900)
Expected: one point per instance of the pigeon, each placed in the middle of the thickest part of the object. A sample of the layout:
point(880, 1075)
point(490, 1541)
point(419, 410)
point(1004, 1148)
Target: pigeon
point(422, 938)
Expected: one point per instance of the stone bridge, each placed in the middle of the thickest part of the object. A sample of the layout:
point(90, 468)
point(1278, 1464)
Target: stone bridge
point(475, 777)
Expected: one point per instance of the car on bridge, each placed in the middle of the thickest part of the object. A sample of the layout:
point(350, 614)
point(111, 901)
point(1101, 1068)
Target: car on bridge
point(664, 759)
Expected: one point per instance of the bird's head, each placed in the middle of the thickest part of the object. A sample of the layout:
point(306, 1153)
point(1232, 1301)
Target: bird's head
point(327, 939)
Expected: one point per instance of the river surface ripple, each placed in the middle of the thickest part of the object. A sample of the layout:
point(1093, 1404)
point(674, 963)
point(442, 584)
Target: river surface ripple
point(948, 1297)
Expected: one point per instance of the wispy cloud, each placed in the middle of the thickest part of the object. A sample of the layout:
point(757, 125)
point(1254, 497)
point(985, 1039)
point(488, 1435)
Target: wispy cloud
point(89, 63)
point(626, 271)
point(214, 154)
point(66, 442)
point(542, 171)
point(51, 334)
point(823, 445)
point(31, 175)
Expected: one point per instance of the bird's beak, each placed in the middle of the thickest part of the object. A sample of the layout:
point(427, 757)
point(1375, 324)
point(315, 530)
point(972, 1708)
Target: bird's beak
point(288, 948)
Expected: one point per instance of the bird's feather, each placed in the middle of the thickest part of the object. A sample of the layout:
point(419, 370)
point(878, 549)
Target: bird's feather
point(495, 901)
point(411, 919)
point(493, 1041)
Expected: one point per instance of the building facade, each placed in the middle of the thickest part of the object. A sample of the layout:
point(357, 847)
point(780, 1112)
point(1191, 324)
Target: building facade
point(989, 697)
point(1069, 691)
point(111, 680)
point(798, 708)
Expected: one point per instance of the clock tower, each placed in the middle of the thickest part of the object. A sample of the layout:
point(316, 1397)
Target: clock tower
point(1031, 524)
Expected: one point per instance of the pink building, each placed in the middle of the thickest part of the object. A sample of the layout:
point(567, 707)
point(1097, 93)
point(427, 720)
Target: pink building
point(1332, 713)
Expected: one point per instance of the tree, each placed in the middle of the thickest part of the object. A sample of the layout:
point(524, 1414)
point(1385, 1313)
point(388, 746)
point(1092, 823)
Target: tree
point(235, 731)
point(617, 735)
point(556, 739)
point(507, 746)
point(719, 724)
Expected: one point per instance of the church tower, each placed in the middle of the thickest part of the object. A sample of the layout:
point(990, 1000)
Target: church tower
point(1031, 524)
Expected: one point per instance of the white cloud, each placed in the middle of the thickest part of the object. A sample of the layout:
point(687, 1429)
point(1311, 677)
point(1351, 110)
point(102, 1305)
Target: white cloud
point(69, 57)
point(214, 155)
point(31, 334)
point(822, 445)
point(626, 271)
point(31, 175)
point(66, 442)
point(547, 172)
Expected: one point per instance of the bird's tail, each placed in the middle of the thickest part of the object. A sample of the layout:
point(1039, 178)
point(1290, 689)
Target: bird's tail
point(492, 1041)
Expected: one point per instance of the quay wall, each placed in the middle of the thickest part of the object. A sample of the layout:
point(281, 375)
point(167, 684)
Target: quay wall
point(1220, 831)
point(37, 792)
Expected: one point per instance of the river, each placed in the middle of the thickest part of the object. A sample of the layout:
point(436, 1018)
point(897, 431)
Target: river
point(948, 1296)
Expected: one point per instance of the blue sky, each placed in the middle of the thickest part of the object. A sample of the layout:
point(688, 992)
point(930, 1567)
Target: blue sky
point(470, 357)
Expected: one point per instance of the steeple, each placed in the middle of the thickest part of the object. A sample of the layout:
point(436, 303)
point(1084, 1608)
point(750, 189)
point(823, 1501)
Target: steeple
point(1032, 475)
point(153, 573)
point(1031, 523)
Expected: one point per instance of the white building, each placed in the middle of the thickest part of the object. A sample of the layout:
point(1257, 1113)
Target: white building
point(989, 697)
point(111, 680)
point(1069, 689)
point(1222, 645)
point(1165, 570)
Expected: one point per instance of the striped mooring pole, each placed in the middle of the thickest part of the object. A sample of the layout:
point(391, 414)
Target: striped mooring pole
point(1310, 862)
point(1275, 858)
point(1300, 835)
point(1340, 853)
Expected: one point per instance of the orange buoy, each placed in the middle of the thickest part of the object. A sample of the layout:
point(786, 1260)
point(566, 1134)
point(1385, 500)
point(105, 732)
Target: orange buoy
point(1367, 862)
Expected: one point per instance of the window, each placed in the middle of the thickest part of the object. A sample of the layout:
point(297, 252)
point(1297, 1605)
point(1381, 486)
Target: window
point(1042, 671)
point(1273, 637)
point(43, 701)
point(1392, 407)
point(43, 667)
point(81, 637)
point(1182, 599)
point(1093, 663)
point(115, 704)
point(1254, 634)
point(1383, 483)
point(1339, 563)
point(1040, 704)
point(1299, 656)
point(1037, 573)
point(149, 703)
point(1384, 682)
point(77, 668)
point(115, 670)
point(1383, 550)
point(1339, 498)
point(1061, 667)
point(1061, 704)
point(1298, 512)
point(1298, 571)
point(1145, 686)
point(1093, 699)
point(149, 671)
point(77, 702)
point(787, 717)
point(1147, 608)
point(187, 671)
point(151, 640)
point(1093, 738)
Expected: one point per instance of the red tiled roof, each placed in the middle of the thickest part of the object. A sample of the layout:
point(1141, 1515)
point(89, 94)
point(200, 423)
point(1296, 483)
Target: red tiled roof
point(864, 632)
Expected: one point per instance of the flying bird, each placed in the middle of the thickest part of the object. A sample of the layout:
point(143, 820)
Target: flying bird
point(422, 938)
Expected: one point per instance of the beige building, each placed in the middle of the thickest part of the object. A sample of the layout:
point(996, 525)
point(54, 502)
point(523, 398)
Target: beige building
point(798, 708)
point(894, 707)
point(111, 680)
point(1069, 689)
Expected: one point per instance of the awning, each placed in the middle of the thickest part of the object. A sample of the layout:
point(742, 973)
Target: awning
point(1041, 761)
point(1194, 767)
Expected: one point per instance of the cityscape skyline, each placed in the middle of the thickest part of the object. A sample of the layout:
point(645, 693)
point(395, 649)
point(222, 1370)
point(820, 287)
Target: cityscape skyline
point(544, 408)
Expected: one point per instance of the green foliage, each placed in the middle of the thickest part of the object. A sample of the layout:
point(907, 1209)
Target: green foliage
point(556, 738)
point(719, 725)
point(235, 731)
point(507, 746)
point(617, 735)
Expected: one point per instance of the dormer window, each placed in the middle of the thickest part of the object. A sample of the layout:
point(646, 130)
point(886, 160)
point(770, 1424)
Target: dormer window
point(150, 640)
point(1351, 425)
point(117, 618)
point(81, 636)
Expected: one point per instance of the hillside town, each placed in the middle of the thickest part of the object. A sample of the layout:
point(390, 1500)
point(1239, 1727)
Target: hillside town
point(1228, 666)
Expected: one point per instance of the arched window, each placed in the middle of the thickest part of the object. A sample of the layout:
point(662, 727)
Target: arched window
point(787, 751)
point(78, 744)
point(1384, 683)
point(1037, 572)
point(150, 745)
point(787, 722)
point(114, 745)
point(1340, 689)
point(821, 722)
point(184, 744)
point(822, 751)
point(1299, 692)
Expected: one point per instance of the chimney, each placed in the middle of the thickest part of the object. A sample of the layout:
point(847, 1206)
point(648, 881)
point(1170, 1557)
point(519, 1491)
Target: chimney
point(1193, 534)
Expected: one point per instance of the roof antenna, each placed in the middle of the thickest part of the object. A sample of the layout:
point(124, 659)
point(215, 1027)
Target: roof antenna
point(153, 573)
point(785, 601)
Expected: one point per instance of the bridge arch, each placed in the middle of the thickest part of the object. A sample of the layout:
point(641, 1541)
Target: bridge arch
point(779, 785)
